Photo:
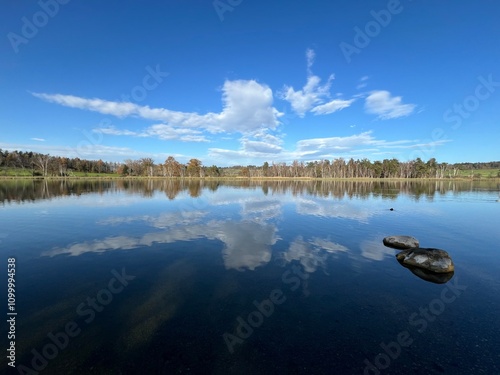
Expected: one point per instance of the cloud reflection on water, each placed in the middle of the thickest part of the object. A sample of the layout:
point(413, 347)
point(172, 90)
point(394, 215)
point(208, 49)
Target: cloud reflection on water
point(246, 244)
point(311, 254)
point(247, 240)
point(374, 249)
point(333, 209)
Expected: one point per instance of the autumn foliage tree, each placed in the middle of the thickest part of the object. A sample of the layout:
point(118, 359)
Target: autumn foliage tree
point(172, 167)
point(194, 168)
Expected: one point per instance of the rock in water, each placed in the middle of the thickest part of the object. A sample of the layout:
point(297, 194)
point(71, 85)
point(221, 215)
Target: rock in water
point(401, 242)
point(434, 260)
point(432, 277)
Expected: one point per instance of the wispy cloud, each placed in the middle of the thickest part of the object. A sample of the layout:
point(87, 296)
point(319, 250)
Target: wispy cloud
point(261, 147)
point(313, 94)
point(323, 148)
point(113, 131)
point(160, 131)
point(384, 105)
point(332, 106)
point(38, 139)
point(310, 55)
point(315, 146)
point(362, 82)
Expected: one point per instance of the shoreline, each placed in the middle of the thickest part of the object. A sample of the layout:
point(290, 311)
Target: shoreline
point(240, 178)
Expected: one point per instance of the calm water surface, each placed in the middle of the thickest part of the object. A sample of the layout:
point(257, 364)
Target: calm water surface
point(168, 277)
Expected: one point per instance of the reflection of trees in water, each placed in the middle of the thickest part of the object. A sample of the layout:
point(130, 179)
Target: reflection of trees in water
point(194, 188)
point(171, 188)
point(31, 190)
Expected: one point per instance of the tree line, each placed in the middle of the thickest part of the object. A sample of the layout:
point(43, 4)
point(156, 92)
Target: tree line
point(38, 164)
point(45, 165)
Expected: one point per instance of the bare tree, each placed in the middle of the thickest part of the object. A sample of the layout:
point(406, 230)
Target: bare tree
point(148, 165)
point(42, 162)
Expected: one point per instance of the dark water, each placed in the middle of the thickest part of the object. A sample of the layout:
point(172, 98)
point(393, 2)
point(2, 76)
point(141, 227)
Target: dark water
point(169, 277)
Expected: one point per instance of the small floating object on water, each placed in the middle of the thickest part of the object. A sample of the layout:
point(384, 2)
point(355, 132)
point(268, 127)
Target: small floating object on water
point(391, 209)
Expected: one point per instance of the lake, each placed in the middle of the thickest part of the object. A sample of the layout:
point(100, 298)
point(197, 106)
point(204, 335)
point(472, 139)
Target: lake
point(277, 277)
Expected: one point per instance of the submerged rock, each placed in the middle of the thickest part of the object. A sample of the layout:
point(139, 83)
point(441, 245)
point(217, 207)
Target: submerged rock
point(434, 260)
point(401, 242)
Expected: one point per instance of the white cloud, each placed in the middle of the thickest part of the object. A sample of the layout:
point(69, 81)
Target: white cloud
point(332, 106)
point(160, 131)
point(247, 107)
point(118, 109)
point(193, 138)
point(362, 143)
point(333, 144)
point(310, 55)
point(167, 132)
point(362, 82)
point(113, 131)
point(310, 95)
point(264, 135)
point(38, 139)
point(386, 107)
point(255, 147)
point(313, 95)
point(355, 146)
point(261, 147)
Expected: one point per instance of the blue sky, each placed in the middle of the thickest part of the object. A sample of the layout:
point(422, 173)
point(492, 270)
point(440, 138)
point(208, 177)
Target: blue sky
point(243, 82)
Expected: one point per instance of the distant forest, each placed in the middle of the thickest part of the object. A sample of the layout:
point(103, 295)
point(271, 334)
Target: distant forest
point(19, 163)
